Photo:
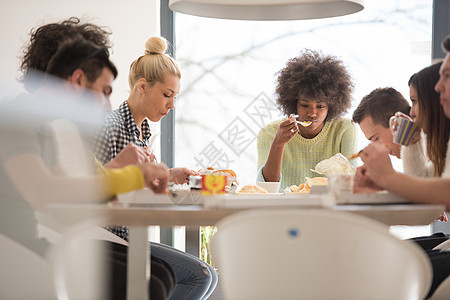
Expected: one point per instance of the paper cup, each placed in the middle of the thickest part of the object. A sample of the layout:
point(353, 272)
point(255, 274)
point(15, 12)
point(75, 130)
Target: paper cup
point(340, 183)
point(271, 187)
point(402, 130)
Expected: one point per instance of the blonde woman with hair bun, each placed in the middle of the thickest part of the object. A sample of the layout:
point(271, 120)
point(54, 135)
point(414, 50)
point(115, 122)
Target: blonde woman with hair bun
point(154, 80)
point(154, 65)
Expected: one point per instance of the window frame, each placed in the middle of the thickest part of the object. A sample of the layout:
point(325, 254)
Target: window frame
point(440, 29)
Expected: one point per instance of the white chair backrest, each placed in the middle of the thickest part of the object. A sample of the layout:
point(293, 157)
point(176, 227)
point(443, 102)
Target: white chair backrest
point(77, 262)
point(315, 254)
point(73, 157)
point(24, 274)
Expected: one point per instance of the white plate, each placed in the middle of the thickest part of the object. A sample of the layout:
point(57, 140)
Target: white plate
point(383, 197)
point(256, 194)
point(146, 196)
point(262, 200)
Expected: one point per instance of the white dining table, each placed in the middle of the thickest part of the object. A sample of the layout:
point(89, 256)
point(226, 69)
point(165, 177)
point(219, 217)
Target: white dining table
point(138, 217)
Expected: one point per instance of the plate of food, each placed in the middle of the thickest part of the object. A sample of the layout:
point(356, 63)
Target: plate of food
point(310, 184)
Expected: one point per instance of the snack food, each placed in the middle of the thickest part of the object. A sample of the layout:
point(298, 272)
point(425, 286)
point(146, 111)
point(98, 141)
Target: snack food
point(206, 171)
point(301, 188)
point(316, 181)
point(306, 187)
point(337, 164)
point(229, 173)
point(353, 156)
point(305, 123)
point(252, 189)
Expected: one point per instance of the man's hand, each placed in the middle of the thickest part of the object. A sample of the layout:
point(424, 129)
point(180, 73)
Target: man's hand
point(377, 165)
point(443, 217)
point(363, 183)
point(156, 176)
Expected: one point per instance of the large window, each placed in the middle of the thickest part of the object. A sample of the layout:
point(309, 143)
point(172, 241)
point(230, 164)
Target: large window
point(229, 71)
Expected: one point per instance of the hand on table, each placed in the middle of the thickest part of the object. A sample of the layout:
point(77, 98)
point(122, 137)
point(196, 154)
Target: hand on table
point(156, 176)
point(181, 175)
point(443, 217)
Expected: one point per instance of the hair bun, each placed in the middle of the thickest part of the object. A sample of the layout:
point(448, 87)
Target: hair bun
point(156, 45)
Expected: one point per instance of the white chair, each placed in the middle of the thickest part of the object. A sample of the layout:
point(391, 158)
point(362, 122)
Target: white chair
point(73, 157)
point(24, 274)
point(315, 254)
point(77, 264)
point(75, 259)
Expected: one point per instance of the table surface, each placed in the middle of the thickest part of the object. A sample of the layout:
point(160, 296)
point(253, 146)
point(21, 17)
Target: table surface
point(193, 215)
point(139, 216)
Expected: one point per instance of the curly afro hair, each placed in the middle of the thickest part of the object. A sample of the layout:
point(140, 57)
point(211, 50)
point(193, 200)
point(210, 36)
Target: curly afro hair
point(313, 76)
point(44, 43)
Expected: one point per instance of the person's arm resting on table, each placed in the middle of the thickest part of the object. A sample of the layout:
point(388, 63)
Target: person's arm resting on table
point(415, 189)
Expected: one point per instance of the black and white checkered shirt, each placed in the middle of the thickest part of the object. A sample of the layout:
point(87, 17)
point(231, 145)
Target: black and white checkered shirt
point(118, 130)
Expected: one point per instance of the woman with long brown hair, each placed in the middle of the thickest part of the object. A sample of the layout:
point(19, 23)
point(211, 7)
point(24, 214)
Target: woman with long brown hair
point(429, 115)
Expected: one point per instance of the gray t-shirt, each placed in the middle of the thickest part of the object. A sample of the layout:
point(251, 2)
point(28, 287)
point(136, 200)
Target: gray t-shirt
point(22, 133)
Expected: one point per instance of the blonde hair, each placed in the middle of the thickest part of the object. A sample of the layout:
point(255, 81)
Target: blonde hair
point(154, 65)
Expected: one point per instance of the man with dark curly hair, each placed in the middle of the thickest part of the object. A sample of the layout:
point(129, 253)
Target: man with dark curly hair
point(54, 49)
point(44, 42)
point(318, 89)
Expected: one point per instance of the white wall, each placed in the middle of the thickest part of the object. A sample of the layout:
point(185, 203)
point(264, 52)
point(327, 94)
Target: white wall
point(132, 23)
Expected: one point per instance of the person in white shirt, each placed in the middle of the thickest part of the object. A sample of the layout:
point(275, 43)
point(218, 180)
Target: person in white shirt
point(427, 160)
point(377, 170)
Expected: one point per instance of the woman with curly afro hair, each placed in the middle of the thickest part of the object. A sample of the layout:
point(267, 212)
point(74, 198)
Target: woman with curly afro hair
point(318, 89)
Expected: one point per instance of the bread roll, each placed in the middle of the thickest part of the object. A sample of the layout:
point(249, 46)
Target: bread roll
point(316, 181)
point(252, 189)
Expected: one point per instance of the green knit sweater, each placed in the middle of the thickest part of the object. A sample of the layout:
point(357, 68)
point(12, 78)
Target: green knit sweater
point(301, 154)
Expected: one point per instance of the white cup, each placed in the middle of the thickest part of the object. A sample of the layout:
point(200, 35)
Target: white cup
point(340, 183)
point(271, 187)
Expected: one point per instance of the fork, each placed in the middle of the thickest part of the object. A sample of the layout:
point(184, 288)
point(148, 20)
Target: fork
point(152, 140)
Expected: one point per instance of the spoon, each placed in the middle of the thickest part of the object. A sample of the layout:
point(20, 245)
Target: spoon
point(303, 123)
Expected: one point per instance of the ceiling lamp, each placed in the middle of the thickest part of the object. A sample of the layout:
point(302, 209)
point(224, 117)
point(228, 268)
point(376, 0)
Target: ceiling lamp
point(266, 9)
